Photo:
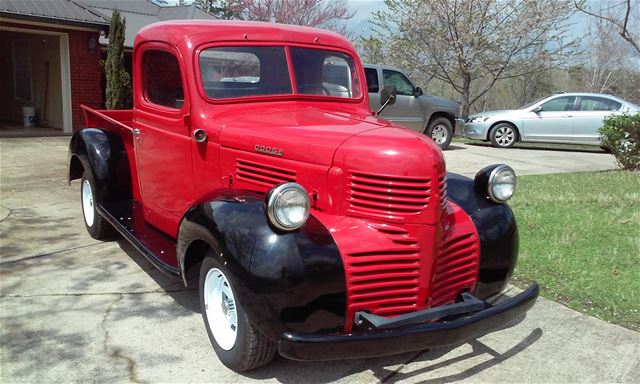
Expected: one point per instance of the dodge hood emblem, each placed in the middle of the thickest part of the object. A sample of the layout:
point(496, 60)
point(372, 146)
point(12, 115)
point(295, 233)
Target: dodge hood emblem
point(268, 150)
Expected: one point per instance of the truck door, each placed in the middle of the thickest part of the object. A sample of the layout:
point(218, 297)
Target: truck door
point(552, 123)
point(406, 111)
point(162, 136)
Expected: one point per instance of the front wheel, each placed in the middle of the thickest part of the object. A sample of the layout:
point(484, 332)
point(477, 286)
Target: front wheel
point(238, 344)
point(97, 226)
point(441, 131)
point(503, 135)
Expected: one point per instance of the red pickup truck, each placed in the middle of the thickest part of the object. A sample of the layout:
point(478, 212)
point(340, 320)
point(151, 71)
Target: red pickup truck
point(251, 165)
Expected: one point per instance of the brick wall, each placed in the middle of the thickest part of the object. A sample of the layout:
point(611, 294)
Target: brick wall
point(86, 74)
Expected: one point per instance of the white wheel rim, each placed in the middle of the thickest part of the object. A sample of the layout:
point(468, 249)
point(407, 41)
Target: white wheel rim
point(220, 306)
point(505, 136)
point(87, 203)
point(439, 134)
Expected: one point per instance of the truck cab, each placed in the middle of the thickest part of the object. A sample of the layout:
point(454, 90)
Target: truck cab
point(252, 168)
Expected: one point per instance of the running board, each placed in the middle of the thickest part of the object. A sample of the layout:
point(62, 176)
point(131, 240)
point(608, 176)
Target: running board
point(127, 218)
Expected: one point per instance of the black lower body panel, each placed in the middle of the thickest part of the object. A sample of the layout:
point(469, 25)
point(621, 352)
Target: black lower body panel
point(377, 342)
point(127, 218)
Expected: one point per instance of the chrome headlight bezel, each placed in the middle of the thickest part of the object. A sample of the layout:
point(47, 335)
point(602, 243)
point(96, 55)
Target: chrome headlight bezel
point(275, 213)
point(489, 178)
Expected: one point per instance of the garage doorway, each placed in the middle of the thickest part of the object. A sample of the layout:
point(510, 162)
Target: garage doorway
point(34, 71)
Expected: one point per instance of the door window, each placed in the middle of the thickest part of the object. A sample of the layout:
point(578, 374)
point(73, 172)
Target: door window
point(397, 79)
point(372, 80)
point(162, 80)
point(564, 103)
point(590, 103)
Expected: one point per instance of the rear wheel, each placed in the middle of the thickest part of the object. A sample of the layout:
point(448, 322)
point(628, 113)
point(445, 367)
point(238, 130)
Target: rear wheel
point(441, 131)
point(97, 226)
point(503, 135)
point(238, 344)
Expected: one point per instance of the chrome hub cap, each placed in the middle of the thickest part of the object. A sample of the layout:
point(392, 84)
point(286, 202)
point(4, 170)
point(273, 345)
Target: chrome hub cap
point(439, 134)
point(87, 203)
point(505, 136)
point(220, 306)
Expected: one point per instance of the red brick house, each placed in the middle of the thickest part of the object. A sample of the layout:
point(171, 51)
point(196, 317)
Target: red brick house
point(51, 52)
point(49, 59)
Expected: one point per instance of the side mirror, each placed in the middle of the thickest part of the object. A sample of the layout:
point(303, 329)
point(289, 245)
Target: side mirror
point(418, 92)
point(387, 97)
point(537, 109)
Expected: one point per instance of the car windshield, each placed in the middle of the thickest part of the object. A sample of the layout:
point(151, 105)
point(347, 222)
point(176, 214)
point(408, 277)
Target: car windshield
point(533, 103)
point(232, 72)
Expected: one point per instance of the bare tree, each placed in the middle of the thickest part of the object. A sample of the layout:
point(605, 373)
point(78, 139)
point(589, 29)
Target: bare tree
point(371, 50)
point(331, 14)
point(619, 13)
point(608, 60)
point(471, 44)
point(223, 9)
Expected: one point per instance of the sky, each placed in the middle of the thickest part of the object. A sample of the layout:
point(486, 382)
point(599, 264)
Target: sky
point(364, 9)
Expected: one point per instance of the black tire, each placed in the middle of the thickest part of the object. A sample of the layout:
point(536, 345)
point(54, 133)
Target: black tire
point(251, 348)
point(442, 129)
point(503, 135)
point(97, 226)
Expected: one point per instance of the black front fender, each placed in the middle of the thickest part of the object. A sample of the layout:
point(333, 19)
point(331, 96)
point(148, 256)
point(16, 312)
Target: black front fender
point(497, 229)
point(286, 281)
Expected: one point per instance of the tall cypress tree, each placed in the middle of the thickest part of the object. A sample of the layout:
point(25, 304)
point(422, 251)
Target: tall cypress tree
point(118, 87)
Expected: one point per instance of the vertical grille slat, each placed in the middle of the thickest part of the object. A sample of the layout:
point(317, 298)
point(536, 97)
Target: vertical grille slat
point(456, 267)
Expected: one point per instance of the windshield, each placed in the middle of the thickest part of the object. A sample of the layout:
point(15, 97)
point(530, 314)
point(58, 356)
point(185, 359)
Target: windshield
point(532, 103)
point(232, 72)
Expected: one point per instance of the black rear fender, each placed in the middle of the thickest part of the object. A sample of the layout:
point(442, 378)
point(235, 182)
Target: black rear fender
point(102, 153)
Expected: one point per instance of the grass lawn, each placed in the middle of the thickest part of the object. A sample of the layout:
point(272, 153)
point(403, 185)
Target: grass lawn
point(580, 239)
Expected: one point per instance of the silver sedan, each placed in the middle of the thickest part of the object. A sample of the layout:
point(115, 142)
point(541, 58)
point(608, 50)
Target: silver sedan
point(572, 118)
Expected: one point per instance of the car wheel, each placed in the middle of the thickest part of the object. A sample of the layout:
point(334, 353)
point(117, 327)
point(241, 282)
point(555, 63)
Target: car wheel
point(97, 226)
point(238, 344)
point(441, 131)
point(503, 135)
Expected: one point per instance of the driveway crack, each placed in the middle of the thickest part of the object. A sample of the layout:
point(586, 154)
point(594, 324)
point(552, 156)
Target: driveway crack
point(8, 214)
point(400, 368)
point(114, 352)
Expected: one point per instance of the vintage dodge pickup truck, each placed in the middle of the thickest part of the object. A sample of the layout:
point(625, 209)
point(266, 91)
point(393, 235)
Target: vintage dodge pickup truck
point(313, 228)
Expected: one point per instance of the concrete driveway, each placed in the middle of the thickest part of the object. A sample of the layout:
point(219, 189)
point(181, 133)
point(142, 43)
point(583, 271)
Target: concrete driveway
point(76, 310)
point(467, 159)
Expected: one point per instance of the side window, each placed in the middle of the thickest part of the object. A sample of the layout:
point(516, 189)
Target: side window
point(590, 103)
point(372, 80)
point(564, 103)
point(162, 80)
point(402, 84)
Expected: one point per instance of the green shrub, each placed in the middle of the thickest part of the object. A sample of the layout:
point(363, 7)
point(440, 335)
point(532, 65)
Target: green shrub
point(621, 135)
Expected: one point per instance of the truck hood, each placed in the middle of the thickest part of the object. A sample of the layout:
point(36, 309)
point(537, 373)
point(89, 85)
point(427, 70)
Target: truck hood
point(449, 105)
point(305, 133)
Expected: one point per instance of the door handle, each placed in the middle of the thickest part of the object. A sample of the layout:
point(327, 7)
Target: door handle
point(199, 135)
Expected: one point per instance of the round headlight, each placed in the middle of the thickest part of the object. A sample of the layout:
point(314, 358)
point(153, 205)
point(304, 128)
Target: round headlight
point(288, 206)
point(502, 183)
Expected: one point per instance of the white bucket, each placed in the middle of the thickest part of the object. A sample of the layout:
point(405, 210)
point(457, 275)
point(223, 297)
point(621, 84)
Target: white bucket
point(29, 116)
